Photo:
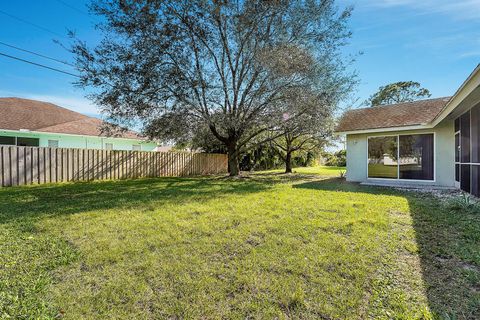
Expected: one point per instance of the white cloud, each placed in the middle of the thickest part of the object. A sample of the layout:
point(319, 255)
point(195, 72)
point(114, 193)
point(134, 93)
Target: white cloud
point(458, 9)
point(77, 104)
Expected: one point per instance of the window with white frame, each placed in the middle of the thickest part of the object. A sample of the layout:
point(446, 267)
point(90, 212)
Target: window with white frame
point(406, 157)
point(53, 143)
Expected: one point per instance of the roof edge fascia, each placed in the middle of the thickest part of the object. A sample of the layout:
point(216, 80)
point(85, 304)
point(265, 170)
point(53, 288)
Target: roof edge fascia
point(386, 129)
point(72, 135)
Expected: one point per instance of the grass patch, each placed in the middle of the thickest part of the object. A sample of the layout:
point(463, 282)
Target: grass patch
point(263, 246)
point(324, 171)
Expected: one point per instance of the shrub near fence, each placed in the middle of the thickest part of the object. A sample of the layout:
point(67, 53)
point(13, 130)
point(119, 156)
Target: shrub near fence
point(34, 165)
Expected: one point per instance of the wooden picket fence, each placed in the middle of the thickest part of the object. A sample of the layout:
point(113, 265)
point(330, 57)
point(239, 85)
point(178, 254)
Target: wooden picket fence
point(34, 165)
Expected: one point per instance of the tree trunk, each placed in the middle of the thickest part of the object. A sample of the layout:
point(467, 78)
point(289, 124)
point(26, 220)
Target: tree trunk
point(288, 163)
point(233, 165)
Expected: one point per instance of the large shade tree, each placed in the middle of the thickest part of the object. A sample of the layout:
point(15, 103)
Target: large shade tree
point(176, 67)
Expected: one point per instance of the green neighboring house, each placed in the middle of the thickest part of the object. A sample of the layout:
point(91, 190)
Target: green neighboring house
point(25, 122)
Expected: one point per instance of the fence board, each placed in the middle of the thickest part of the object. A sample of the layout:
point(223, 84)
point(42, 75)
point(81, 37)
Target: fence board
point(111, 165)
point(106, 164)
point(14, 166)
point(132, 171)
point(6, 166)
point(81, 164)
point(107, 174)
point(27, 165)
point(2, 170)
point(121, 165)
point(75, 169)
point(128, 165)
point(64, 164)
point(41, 165)
point(125, 165)
point(69, 169)
point(144, 168)
point(100, 165)
point(53, 166)
point(95, 168)
point(134, 165)
point(162, 165)
point(116, 161)
point(21, 165)
point(46, 165)
point(141, 156)
point(142, 165)
point(91, 164)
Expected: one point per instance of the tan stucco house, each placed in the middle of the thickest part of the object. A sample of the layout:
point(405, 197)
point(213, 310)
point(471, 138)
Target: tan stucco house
point(434, 142)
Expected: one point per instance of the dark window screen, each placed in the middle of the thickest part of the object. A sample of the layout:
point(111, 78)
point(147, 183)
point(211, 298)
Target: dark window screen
point(7, 141)
point(27, 142)
point(475, 179)
point(465, 177)
point(457, 172)
point(416, 157)
point(465, 140)
point(457, 147)
point(457, 124)
point(475, 139)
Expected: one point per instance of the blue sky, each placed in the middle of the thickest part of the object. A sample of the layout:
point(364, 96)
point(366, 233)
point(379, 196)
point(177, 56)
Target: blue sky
point(434, 42)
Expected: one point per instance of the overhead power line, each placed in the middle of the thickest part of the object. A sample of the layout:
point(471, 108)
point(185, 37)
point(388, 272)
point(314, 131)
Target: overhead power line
point(38, 64)
point(37, 54)
point(31, 23)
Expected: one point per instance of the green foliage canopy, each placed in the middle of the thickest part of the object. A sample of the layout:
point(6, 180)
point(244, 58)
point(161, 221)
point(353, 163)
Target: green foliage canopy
point(403, 91)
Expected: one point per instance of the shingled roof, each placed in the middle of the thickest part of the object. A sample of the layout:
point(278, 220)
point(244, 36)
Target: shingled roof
point(18, 113)
point(392, 116)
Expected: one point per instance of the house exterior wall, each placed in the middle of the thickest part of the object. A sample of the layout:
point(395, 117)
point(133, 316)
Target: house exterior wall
point(83, 142)
point(444, 150)
point(357, 157)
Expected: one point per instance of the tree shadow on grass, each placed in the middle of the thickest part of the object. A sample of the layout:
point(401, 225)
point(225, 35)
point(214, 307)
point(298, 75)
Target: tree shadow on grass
point(448, 241)
point(33, 202)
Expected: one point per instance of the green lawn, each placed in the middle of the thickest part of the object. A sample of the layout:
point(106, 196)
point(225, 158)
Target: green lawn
point(265, 246)
point(319, 170)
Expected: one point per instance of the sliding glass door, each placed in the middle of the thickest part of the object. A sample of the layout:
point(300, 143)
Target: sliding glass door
point(416, 157)
point(406, 157)
point(382, 157)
